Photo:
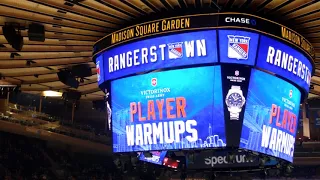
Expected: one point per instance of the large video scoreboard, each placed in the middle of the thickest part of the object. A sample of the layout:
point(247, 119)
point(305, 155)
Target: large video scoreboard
point(213, 82)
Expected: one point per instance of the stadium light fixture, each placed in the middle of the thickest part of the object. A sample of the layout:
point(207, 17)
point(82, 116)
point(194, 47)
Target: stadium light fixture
point(51, 94)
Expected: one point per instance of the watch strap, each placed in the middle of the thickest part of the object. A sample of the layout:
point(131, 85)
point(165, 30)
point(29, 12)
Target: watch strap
point(236, 87)
point(234, 116)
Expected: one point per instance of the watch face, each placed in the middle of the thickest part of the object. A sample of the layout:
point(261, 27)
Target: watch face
point(234, 99)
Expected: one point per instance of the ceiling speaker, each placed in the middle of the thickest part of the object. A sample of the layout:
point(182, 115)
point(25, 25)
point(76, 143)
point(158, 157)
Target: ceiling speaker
point(68, 79)
point(81, 70)
point(13, 36)
point(36, 32)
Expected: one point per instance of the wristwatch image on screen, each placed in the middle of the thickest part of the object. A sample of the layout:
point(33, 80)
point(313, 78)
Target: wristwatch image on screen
point(235, 101)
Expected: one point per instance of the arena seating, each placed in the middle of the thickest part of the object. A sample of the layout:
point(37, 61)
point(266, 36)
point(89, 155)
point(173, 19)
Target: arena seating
point(28, 158)
point(31, 119)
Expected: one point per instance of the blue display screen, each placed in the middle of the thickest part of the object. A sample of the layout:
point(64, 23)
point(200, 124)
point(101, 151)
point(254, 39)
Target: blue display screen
point(156, 157)
point(239, 47)
point(284, 61)
point(174, 109)
point(199, 48)
point(271, 116)
point(167, 51)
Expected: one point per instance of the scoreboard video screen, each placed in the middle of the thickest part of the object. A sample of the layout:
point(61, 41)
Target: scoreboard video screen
point(163, 110)
point(271, 116)
point(205, 87)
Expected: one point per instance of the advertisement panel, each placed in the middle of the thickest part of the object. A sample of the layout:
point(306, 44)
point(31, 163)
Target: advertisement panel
point(218, 159)
point(168, 110)
point(271, 116)
point(235, 82)
point(284, 61)
point(157, 157)
point(162, 52)
point(239, 47)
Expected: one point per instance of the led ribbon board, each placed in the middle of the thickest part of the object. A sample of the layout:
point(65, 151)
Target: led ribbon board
point(271, 116)
point(243, 47)
point(183, 49)
point(179, 24)
point(284, 61)
point(164, 110)
point(200, 48)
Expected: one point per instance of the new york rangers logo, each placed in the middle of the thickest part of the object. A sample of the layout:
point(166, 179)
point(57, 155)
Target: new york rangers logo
point(98, 70)
point(238, 47)
point(175, 50)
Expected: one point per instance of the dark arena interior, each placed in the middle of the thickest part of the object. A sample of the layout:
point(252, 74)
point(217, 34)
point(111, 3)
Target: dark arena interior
point(159, 89)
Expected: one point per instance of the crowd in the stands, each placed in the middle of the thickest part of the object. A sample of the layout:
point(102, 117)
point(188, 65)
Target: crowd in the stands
point(24, 158)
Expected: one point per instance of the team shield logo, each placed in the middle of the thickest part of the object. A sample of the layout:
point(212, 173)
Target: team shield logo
point(98, 70)
point(236, 73)
point(238, 47)
point(154, 82)
point(175, 50)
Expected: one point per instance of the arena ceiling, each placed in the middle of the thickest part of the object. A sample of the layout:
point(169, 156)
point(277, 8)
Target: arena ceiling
point(73, 26)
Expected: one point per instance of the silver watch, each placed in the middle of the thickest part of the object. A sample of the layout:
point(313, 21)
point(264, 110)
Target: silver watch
point(235, 101)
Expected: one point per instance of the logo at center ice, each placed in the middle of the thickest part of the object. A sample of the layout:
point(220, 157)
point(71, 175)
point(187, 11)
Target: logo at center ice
point(175, 50)
point(238, 47)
